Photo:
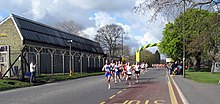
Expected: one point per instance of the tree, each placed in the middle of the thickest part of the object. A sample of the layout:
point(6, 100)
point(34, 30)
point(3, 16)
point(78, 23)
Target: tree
point(109, 37)
point(197, 35)
point(147, 57)
point(126, 50)
point(171, 43)
point(157, 56)
point(212, 39)
point(71, 27)
point(170, 8)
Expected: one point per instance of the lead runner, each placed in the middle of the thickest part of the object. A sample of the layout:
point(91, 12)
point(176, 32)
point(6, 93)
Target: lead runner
point(108, 74)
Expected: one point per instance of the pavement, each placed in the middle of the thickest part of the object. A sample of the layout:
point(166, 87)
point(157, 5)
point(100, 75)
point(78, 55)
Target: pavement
point(197, 93)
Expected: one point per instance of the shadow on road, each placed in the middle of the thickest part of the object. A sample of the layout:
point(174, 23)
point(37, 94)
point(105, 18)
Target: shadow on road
point(148, 82)
point(146, 79)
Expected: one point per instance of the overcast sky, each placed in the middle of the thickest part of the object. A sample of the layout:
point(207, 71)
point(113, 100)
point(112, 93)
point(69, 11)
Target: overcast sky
point(92, 14)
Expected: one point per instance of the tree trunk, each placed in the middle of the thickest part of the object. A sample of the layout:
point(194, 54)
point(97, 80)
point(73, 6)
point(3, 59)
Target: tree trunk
point(213, 66)
point(198, 61)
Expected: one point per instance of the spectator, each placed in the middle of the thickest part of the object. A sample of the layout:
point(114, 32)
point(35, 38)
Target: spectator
point(33, 72)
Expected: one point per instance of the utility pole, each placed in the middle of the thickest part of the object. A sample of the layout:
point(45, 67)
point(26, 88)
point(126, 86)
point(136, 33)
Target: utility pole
point(184, 38)
point(70, 61)
point(122, 47)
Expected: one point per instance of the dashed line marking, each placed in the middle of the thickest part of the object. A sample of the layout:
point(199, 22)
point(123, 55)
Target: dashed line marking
point(102, 102)
point(119, 92)
point(112, 97)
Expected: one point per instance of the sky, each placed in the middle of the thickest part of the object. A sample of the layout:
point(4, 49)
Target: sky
point(91, 14)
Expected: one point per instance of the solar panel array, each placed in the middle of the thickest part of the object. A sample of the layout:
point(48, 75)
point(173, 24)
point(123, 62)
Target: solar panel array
point(37, 32)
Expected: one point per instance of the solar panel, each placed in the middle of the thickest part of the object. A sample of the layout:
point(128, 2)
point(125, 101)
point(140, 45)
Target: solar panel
point(38, 32)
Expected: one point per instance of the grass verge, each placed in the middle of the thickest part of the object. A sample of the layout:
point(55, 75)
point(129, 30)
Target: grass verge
point(45, 78)
point(203, 77)
point(7, 84)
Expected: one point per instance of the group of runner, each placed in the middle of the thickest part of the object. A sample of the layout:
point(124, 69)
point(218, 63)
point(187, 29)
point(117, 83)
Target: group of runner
point(116, 70)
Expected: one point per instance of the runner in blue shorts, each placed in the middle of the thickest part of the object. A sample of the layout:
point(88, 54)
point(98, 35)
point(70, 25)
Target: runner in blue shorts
point(108, 74)
point(117, 73)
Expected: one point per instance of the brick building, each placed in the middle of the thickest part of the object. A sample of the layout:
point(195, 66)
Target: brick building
point(47, 46)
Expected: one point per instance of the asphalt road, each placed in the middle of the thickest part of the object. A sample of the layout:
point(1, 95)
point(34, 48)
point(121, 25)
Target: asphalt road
point(151, 89)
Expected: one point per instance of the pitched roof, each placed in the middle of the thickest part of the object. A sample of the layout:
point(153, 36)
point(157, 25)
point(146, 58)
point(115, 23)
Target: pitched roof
point(40, 33)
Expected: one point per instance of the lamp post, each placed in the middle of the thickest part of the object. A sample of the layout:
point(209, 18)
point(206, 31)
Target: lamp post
point(122, 46)
point(70, 61)
point(184, 38)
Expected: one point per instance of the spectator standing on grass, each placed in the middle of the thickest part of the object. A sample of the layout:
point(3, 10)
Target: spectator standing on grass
point(33, 72)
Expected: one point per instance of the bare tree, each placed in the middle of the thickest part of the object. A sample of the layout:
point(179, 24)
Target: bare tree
point(70, 27)
point(109, 38)
point(171, 8)
point(126, 50)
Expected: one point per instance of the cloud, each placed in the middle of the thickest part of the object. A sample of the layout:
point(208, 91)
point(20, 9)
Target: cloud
point(102, 18)
point(91, 31)
point(103, 5)
point(92, 15)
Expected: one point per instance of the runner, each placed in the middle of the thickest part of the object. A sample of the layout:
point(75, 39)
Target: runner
point(146, 67)
point(143, 67)
point(117, 73)
point(137, 71)
point(124, 73)
point(129, 73)
point(112, 65)
point(108, 75)
point(120, 64)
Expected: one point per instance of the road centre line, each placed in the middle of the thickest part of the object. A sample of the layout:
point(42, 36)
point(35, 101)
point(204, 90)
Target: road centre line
point(119, 92)
point(115, 94)
point(112, 97)
point(102, 102)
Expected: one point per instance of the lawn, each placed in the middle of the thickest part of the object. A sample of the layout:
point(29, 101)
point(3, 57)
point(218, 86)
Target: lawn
point(203, 77)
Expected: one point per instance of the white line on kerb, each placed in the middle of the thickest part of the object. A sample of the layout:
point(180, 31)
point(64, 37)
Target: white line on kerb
point(180, 92)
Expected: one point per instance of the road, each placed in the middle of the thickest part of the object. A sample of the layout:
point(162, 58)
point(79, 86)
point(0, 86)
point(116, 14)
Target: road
point(151, 89)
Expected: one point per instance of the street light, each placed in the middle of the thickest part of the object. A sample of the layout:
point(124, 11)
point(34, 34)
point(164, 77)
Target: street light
point(70, 61)
point(122, 47)
point(184, 39)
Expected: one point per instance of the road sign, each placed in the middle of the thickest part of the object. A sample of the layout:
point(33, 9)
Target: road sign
point(217, 67)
